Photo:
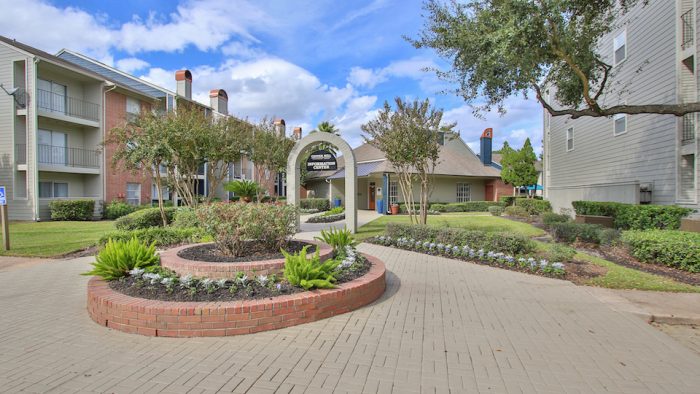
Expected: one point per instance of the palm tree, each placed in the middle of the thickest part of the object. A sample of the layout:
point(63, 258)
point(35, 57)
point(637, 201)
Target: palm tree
point(326, 127)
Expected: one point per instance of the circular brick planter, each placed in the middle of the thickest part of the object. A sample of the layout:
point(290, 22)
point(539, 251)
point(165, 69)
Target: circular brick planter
point(170, 259)
point(196, 319)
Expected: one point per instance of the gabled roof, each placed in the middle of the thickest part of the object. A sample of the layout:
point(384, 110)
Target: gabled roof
point(113, 74)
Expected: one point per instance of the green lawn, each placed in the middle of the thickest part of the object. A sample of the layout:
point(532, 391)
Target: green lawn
point(617, 276)
point(51, 239)
point(475, 221)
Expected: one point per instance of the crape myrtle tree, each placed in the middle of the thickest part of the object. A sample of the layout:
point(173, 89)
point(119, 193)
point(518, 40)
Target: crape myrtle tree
point(268, 151)
point(501, 48)
point(409, 138)
point(518, 166)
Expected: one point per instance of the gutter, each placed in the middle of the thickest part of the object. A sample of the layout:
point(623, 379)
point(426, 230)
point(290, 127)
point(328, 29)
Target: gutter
point(104, 135)
point(35, 143)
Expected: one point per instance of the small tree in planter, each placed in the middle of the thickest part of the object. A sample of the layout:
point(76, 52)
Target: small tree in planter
point(243, 188)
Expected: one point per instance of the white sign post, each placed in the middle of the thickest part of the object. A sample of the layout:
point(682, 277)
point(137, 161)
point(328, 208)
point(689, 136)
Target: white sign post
point(4, 219)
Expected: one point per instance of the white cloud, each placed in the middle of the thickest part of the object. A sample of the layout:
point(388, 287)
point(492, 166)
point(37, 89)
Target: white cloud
point(131, 64)
point(408, 68)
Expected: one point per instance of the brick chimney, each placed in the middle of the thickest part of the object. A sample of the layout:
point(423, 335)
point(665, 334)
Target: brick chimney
point(280, 126)
point(297, 133)
point(486, 146)
point(184, 83)
point(218, 100)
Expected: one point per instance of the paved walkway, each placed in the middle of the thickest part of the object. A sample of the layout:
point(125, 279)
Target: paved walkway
point(442, 326)
point(657, 306)
point(363, 217)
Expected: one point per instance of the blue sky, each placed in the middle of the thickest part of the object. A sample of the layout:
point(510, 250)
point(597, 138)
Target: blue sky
point(304, 61)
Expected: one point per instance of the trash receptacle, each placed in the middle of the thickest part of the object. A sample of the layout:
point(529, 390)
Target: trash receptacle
point(380, 206)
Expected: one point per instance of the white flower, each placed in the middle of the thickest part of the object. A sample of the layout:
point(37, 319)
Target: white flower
point(243, 280)
point(207, 282)
point(558, 266)
point(167, 281)
point(262, 279)
point(221, 282)
point(137, 272)
point(154, 278)
point(186, 281)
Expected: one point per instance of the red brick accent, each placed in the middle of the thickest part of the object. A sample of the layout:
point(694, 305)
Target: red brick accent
point(116, 176)
point(182, 75)
point(199, 319)
point(500, 188)
point(170, 259)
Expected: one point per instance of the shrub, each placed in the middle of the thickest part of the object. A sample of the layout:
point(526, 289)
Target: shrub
point(321, 204)
point(309, 273)
point(117, 209)
point(507, 200)
point(517, 211)
point(72, 209)
point(570, 232)
point(469, 206)
point(326, 218)
point(502, 242)
point(496, 210)
point(549, 218)
point(561, 253)
point(243, 188)
point(337, 238)
point(144, 218)
point(635, 217)
point(185, 217)
point(334, 211)
point(533, 205)
point(309, 211)
point(119, 257)
point(609, 236)
point(231, 224)
point(438, 207)
point(158, 236)
point(679, 249)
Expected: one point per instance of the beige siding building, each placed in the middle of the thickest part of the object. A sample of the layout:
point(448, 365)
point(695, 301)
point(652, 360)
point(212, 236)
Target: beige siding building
point(639, 158)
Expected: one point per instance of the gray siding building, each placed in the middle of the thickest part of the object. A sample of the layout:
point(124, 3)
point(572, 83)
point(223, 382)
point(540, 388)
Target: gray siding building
point(634, 158)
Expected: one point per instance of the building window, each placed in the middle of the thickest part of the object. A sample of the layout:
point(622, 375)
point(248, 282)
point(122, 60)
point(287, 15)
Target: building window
point(620, 124)
point(687, 176)
point(133, 108)
point(154, 193)
point(463, 192)
point(620, 48)
point(393, 192)
point(133, 193)
point(51, 96)
point(570, 139)
point(51, 189)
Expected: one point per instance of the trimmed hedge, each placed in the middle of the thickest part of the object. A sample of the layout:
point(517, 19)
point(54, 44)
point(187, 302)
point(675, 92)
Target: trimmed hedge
point(322, 204)
point(326, 218)
point(533, 205)
point(635, 217)
point(161, 236)
point(496, 210)
point(469, 206)
point(116, 209)
point(144, 218)
point(72, 209)
point(476, 239)
point(549, 218)
point(517, 211)
point(678, 249)
point(571, 232)
point(507, 200)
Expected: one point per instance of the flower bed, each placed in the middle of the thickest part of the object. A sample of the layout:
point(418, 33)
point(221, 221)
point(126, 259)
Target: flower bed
point(465, 252)
point(226, 270)
point(110, 308)
point(326, 218)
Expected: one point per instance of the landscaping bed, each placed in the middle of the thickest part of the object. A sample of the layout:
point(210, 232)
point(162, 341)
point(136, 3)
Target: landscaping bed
point(254, 251)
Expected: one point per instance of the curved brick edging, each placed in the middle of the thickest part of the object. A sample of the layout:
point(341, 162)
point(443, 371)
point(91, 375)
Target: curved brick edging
point(121, 312)
point(170, 259)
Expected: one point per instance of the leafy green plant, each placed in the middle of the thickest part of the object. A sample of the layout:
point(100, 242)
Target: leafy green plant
point(338, 239)
point(517, 211)
point(561, 253)
point(119, 257)
point(72, 209)
point(322, 204)
point(570, 232)
point(243, 188)
point(158, 236)
point(144, 218)
point(309, 273)
point(469, 206)
point(496, 210)
point(334, 211)
point(116, 209)
point(533, 205)
point(549, 218)
point(635, 217)
point(185, 217)
point(679, 249)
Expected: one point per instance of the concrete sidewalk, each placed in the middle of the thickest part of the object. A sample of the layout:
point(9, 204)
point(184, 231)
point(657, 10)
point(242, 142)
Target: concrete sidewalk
point(653, 306)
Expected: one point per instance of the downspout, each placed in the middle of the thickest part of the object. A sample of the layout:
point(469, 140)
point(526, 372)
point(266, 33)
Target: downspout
point(35, 145)
point(104, 136)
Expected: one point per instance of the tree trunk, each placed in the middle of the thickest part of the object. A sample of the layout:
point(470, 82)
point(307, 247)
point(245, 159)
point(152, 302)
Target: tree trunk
point(159, 187)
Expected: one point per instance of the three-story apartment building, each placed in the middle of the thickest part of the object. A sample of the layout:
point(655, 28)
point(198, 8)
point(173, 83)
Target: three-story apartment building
point(634, 158)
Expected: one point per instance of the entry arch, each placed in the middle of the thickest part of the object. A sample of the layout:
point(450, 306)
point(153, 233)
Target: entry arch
point(294, 174)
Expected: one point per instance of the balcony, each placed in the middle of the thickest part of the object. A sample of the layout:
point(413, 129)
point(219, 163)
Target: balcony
point(687, 30)
point(60, 106)
point(61, 159)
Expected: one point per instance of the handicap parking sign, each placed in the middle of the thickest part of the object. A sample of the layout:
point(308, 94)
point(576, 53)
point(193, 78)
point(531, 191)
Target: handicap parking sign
point(3, 199)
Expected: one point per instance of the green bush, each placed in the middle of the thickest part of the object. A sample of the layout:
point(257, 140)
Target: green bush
point(158, 236)
point(635, 217)
point(334, 211)
point(496, 210)
point(570, 232)
point(322, 204)
point(117, 258)
point(561, 253)
point(185, 217)
point(338, 239)
point(507, 200)
point(326, 218)
point(231, 224)
point(72, 209)
point(533, 205)
point(518, 212)
point(679, 249)
point(243, 188)
point(116, 209)
point(437, 207)
point(309, 273)
point(144, 218)
point(476, 239)
point(469, 206)
point(549, 218)
point(609, 236)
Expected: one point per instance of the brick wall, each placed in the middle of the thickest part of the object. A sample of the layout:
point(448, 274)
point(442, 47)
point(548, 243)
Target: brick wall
point(500, 188)
point(116, 177)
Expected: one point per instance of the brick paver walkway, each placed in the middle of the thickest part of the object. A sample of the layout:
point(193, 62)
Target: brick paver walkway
point(442, 326)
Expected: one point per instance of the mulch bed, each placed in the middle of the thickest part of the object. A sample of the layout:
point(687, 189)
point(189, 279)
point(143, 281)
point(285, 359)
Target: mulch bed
point(255, 251)
point(253, 291)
